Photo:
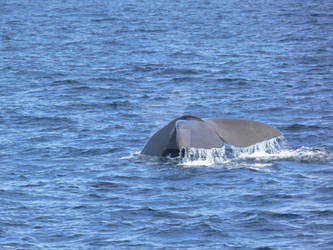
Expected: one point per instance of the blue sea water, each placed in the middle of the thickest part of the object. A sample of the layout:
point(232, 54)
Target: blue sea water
point(84, 84)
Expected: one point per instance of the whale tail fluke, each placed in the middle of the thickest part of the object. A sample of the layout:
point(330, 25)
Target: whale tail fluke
point(243, 133)
point(191, 131)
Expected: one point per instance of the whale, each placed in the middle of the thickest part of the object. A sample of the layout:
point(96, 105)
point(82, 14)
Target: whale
point(193, 132)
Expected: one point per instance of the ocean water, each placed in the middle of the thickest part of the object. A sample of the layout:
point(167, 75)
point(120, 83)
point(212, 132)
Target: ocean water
point(84, 84)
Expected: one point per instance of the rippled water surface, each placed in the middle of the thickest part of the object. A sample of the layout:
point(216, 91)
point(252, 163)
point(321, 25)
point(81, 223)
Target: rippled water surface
point(83, 84)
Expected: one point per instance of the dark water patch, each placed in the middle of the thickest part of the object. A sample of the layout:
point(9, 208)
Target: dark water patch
point(101, 106)
point(150, 31)
point(283, 216)
point(82, 206)
point(322, 214)
point(128, 178)
point(323, 227)
point(129, 115)
point(67, 152)
point(301, 127)
point(112, 42)
point(145, 67)
point(233, 81)
point(322, 171)
point(186, 54)
point(145, 52)
point(105, 79)
point(176, 71)
point(107, 185)
point(68, 82)
point(325, 245)
point(44, 138)
point(44, 121)
point(33, 185)
point(325, 189)
point(185, 79)
point(105, 20)
point(78, 90)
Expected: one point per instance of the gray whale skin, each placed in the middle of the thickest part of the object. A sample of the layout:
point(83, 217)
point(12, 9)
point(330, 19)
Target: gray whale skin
point(190, 131)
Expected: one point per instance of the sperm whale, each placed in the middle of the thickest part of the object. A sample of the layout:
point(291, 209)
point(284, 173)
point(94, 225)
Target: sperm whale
point(194, 132)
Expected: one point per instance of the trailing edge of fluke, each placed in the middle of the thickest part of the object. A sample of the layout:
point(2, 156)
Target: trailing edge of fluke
point(191, 131)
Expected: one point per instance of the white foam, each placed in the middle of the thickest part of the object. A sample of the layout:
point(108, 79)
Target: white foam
point(303, 154)
point(262, 149)
point(276, 149)
point(203, 157)
point(259, 156)
point(131, 156)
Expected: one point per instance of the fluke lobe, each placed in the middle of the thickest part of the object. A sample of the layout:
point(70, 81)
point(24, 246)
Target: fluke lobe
point(191, 131)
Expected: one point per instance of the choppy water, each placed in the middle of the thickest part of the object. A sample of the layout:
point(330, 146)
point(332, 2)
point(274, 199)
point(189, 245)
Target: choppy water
point(83, 84)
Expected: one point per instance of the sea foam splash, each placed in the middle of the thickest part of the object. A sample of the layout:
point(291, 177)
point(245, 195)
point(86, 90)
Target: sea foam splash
point(218, 156)
point(201, 156)
point(272, 146)
point(256, 156)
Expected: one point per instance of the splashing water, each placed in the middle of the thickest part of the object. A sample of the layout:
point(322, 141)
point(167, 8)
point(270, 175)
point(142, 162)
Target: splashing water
point(218, 156)
point(269, 147)
point(258, 156)
point(201, 156)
